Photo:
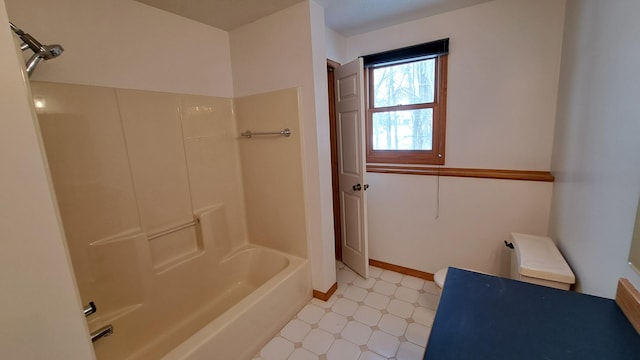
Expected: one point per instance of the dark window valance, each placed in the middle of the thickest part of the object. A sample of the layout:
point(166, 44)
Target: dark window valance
point(414, 52)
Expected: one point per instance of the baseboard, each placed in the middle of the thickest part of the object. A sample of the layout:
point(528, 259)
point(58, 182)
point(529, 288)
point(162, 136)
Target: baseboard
point(628, 299)
point(324, 296)
point(402, 270)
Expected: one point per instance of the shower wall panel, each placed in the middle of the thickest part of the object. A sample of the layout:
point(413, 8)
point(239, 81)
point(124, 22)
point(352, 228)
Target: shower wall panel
point(89, 166)
point(153, 133)
point(211, 145)
point(272, 171)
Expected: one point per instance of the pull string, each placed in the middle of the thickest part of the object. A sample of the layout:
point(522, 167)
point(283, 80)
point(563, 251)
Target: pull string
point(438, 193)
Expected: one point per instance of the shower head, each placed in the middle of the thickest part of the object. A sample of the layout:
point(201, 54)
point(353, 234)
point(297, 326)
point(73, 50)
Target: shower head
point(47, 52)
point(40, 52)
point(50, 51)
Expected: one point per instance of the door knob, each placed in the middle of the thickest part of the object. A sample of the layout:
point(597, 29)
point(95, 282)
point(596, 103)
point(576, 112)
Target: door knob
point(357, 187)
point(366, 186)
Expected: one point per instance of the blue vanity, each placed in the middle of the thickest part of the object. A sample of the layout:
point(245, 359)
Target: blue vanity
point(487, 317)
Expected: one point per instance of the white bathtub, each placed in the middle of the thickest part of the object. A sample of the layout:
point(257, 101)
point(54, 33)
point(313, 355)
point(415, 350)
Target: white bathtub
point(264, 289)
point(214, 302)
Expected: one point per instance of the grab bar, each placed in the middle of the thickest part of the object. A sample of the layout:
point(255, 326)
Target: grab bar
point(173, 229)
point(249, 134)
point(102, 332)
point(90, 309)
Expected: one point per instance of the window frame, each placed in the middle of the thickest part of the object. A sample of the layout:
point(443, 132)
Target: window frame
point(435, 156)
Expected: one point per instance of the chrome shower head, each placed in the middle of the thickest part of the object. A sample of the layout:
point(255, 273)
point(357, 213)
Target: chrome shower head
point(40, 52)
point(47, 52)
point(50, 51)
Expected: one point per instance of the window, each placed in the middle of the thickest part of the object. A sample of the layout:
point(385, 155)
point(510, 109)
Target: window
point(407, 105)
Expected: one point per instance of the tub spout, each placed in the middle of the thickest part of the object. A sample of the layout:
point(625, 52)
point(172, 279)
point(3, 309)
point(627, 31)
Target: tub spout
point(102, 332)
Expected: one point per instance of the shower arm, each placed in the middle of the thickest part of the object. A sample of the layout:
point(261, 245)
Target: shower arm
point(19, 32)
point(28, 41)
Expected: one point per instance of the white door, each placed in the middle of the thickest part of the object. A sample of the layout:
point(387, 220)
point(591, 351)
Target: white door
point(349, 89)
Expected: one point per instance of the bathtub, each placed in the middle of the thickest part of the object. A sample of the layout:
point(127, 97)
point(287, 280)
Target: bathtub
point(210, 301)
point(264, 288)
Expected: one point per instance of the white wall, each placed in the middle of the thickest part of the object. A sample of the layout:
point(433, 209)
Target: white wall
point(467, 229)
point(323, 249)
point(596, 147)
point(503, 75)
point(336, 46)
point(41, 312)
point(126, 44)
point(286, 50)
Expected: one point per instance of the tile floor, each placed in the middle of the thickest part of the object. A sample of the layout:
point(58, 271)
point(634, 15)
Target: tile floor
point(387, 316)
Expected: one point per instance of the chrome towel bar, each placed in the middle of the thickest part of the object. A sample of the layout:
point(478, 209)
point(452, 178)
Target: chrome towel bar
point(173, 229)
point(249, 134)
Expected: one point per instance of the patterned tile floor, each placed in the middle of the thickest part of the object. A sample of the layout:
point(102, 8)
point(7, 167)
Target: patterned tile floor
point(387, 316)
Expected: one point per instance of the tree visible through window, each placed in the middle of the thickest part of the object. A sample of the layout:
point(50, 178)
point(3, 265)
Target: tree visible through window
point(406, 115)
point(405, 84)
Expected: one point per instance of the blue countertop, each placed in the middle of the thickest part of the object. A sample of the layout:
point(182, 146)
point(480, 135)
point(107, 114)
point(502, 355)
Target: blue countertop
point(488, 317)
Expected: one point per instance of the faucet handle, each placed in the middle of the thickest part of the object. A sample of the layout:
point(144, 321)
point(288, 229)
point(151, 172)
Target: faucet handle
point(90, 309)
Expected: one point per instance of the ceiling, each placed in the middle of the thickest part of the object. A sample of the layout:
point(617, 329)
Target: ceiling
point(222, 14)
point(352, 17)
point(347, 17)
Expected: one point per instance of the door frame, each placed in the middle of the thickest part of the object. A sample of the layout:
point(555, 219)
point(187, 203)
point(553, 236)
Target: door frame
point(337, 216)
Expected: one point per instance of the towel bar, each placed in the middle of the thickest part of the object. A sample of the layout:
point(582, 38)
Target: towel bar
point(249, 134)
point(173, 229)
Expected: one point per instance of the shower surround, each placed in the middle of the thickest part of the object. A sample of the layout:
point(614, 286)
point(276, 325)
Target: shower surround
point(175, 224)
